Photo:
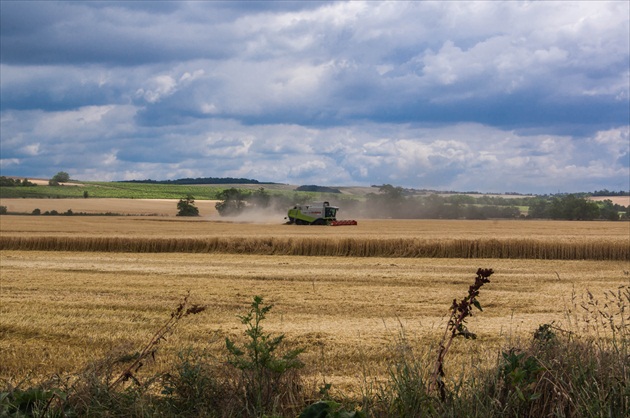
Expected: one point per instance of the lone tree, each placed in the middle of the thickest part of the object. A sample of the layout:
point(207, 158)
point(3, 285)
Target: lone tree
point(233, 202)
point(187, 207)
point(60, 177)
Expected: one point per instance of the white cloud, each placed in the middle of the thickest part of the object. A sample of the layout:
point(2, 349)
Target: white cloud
point(89, 122)
point(31, 149)
point(9, 162)
point(617, 140)
point(227, 146)
point(423, 94)
point(308, 169)
point(158, 87)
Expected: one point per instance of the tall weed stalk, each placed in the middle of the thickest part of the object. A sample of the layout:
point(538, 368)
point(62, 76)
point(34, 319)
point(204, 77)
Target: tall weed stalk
point(460, 311)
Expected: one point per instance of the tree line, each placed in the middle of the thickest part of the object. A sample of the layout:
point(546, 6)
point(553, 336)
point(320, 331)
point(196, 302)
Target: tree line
point(392, 202)
point(10, 182)
point(200, 180)
point(395, 202)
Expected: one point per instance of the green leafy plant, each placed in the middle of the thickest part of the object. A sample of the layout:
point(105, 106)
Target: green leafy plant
point(194, 387)
point(407, 388)
point(520, 373)
point(34, 401)
point(545, 334)
point(264, 372)
point(329, 409)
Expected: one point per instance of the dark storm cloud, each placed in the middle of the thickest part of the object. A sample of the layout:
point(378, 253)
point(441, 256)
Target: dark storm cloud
point(112, 33)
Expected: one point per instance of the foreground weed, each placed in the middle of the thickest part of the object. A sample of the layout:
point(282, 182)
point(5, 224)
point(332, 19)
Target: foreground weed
point(265, 375)
point(150, 349)
point(583, 371)
point(456, 326)
point(407, 388)
point(520, 372)
point(101, 389)
point(34, 401)
point(329, 409)
point(196, 387)
point(415, 386)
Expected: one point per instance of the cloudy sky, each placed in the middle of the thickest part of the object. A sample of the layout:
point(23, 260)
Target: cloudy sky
point(529, 97)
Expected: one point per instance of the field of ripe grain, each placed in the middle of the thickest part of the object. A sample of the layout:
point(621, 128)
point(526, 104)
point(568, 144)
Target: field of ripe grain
point(384, 238)
point(61, 310)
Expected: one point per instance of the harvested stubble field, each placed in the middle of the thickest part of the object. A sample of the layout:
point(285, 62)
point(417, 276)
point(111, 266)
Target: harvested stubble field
point(61, 310)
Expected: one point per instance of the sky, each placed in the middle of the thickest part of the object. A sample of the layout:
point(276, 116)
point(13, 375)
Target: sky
point(489, 96)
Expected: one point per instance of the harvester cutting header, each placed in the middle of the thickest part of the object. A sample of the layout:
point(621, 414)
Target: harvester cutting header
point(316, 213)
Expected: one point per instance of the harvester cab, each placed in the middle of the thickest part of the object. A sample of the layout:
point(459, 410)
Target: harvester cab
point(316, 213)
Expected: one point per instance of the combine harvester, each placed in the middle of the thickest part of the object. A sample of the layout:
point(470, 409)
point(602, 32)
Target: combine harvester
point(317, 213)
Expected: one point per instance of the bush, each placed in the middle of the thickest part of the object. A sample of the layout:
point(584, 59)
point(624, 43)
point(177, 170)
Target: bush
point(187, 207)
point(3, 210)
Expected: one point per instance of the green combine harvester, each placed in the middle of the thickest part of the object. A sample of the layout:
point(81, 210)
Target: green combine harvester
point(316, 213)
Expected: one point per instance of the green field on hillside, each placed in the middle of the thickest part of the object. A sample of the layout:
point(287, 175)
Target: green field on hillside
point(123, 190)
point(112, 190)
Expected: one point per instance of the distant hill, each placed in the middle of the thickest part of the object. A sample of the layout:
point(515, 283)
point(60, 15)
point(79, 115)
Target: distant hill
point(201, 180)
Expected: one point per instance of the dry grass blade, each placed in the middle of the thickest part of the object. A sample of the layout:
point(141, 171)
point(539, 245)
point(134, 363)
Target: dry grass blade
point(149, 350)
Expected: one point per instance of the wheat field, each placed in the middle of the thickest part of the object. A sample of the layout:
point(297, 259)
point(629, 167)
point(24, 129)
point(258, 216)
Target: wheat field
point(371, 238)
point(61, 310)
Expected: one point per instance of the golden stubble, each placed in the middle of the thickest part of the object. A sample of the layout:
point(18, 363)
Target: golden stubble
point(62, 310)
